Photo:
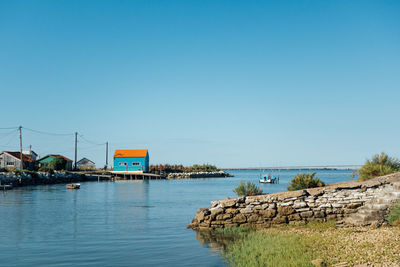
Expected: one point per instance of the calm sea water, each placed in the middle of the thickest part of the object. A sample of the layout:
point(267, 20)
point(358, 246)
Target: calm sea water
point(124, 223)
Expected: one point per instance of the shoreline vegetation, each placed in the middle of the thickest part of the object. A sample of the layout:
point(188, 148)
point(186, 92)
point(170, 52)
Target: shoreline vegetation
point(312, 244)
point(179, 168)
point(315, 242)
point(187, 172)
point(191, 175)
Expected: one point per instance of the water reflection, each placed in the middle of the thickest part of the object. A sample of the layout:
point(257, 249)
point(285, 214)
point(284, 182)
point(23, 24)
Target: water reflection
point(215, 240)
point(133, 198)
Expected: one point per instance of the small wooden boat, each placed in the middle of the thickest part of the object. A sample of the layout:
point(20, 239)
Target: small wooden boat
point(73, 186)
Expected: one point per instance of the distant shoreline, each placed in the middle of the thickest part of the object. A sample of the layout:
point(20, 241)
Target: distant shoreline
point(352, 167)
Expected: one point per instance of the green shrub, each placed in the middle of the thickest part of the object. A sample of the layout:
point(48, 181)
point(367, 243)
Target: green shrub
point(248, 189)
point(304, 181)
point(379, 165)
point(58, 163)
point(393, 217)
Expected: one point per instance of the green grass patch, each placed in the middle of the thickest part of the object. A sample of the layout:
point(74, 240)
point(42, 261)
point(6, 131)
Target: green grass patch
point(276, 248)
point(235, 231)
point(271, 249)
point(313, 225)
point(393, 217)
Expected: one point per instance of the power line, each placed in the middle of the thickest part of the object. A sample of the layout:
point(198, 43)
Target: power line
point(9, 128)
point(48, 133)
point(90, 147)
point(4, 135)
point(91, 142)
point(20, 148)
point(76, 149)
point(15, 147)
point(9, 141)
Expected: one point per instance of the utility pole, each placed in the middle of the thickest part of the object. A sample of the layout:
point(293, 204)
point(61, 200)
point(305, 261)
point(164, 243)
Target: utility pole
point(76, 149)
point(106, 155)
point(21, 166)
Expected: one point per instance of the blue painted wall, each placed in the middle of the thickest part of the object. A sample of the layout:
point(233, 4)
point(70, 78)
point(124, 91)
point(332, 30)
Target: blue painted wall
point(141, 164)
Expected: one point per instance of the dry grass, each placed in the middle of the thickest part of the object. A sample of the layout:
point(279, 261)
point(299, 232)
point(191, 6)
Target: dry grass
point(361, 245)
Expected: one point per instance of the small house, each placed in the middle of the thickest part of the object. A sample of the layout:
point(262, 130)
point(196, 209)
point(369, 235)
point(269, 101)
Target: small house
point(131, 160)
point(30, 153)
point(11, 159)
point(49, 158)
point(85, 163)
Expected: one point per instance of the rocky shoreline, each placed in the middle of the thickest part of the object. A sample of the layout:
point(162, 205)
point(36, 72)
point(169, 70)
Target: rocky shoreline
point(40, 178)
point(354, 203)
point(189, 175)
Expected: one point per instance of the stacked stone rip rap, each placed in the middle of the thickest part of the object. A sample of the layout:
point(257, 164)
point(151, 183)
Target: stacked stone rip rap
point(353, 202)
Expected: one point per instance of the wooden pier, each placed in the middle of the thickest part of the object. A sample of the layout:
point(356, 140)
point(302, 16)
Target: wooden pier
point(99, 177)
point(135, 176)
point(113, 176)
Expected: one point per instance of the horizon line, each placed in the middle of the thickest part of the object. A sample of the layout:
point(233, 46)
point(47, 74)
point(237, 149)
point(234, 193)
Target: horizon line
point(298, 167)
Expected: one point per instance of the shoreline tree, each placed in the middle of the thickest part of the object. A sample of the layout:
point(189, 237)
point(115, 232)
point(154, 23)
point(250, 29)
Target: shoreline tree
point(378, 165)
point(304, 181)
point(249, 189)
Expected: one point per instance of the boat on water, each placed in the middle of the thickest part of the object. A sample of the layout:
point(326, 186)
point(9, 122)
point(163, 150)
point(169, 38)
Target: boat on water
point(268, 179)
point(73, 186)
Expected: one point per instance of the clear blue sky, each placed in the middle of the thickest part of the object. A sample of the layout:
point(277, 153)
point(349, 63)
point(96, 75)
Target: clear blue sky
point(233, 83)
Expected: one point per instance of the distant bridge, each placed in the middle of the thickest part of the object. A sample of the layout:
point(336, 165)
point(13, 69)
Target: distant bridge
point(349, 166)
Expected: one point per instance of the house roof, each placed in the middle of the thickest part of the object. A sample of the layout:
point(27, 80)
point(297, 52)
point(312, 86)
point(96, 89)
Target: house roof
point(17, 155)
point(84, 160)
point(54, 156)
point(27, 152)
point(130, 153)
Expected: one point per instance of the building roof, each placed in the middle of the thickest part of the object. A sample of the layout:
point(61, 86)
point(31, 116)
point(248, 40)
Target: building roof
point(130, 153)
point(54, 156)
point(17, 155)
point(84, 160)
point(29, 152)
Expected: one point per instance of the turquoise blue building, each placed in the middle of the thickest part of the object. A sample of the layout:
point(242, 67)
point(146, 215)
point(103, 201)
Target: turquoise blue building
point(131, 160)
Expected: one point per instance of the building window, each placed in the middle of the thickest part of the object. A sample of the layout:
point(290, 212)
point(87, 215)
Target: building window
point(135, 163)
point(122, 164)
point(10, 163)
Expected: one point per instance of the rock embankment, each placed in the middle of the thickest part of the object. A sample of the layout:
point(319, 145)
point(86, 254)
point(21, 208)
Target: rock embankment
point(354, 202)
point(188, 175)
point(40, 178)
